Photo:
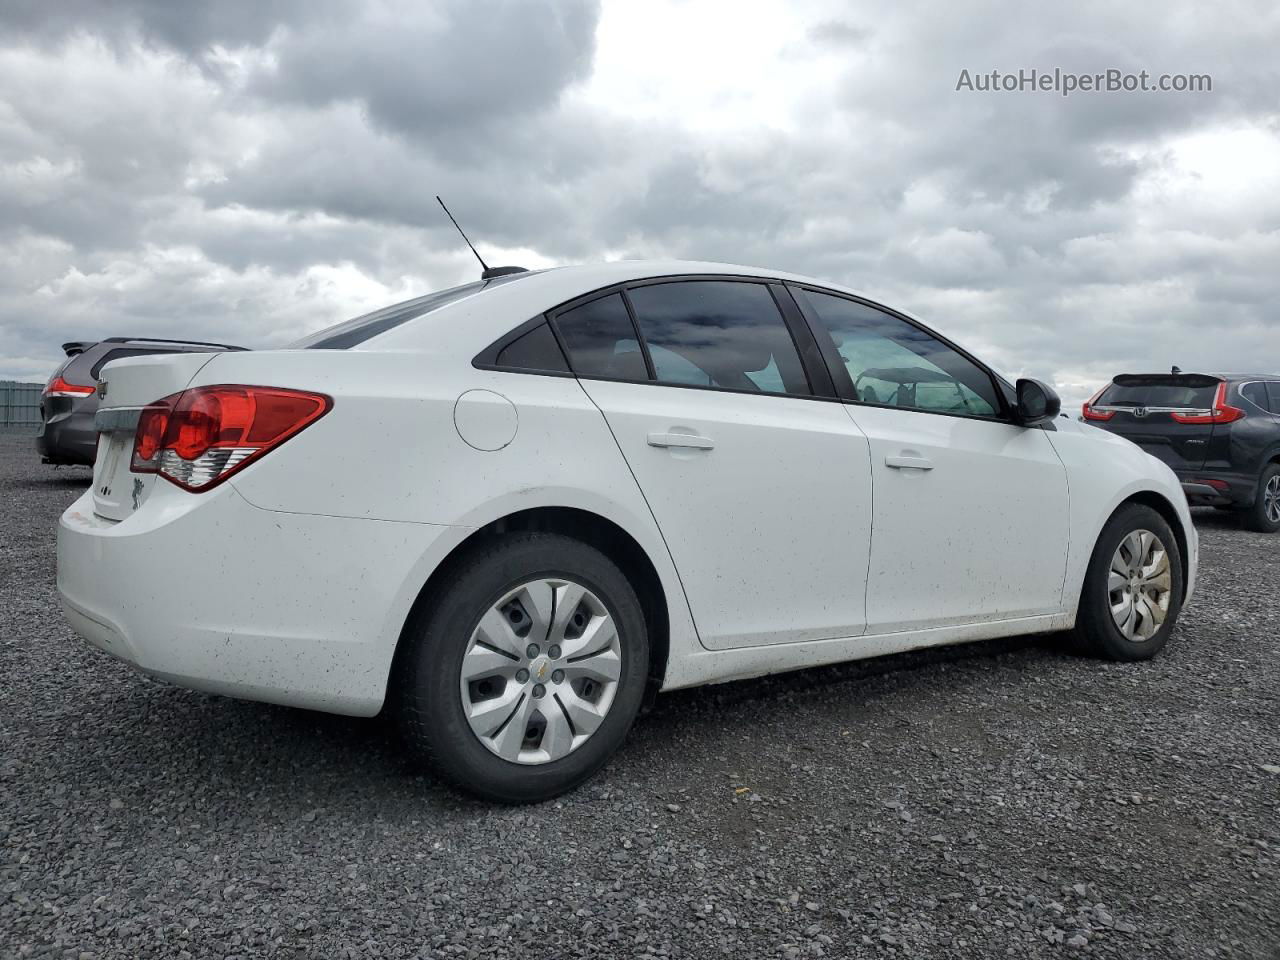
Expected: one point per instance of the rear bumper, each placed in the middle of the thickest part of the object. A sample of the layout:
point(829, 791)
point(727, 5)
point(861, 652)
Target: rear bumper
point(68, 439)
point(1218, 488)
point(225, 597)
point(1200, 494)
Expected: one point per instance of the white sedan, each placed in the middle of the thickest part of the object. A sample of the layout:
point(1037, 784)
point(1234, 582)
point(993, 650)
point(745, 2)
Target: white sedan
point(512, 510)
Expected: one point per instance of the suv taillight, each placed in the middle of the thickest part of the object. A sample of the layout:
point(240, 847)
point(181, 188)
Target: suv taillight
point(1222, 411)
point(198, 438)
point(1092, 414)
point(58, 387)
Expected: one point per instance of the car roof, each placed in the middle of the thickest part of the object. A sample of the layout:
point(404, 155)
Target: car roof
point(591, 276)
point(468, 325)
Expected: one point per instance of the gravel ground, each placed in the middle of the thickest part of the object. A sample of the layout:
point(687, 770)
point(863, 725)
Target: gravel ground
point(1004, 799)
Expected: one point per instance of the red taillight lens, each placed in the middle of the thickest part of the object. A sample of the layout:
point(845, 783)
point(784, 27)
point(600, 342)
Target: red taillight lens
point(1092, 414)
point(195, 425)
point(58, 387)
point(1222, 411)
point(199, 437)
point(149, 438)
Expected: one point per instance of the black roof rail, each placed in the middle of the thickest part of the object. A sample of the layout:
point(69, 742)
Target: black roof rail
point(189, 343)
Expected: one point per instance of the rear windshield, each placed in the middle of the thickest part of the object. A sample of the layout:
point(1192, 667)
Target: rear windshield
point(1158, 395)
point(349, 333)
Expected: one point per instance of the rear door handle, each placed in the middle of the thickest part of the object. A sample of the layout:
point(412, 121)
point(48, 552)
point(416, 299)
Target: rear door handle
point(691, 440)
point(908, 463)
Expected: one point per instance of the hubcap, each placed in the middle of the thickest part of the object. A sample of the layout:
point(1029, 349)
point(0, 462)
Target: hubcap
point(1139, 585)
point(541, 671)
point(1271, 499)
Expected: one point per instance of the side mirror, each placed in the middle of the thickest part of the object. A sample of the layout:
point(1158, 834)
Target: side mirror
point(1037, 403)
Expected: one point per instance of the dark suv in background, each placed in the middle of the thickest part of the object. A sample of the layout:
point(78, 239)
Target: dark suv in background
point(1219, 432)
point(70, 400)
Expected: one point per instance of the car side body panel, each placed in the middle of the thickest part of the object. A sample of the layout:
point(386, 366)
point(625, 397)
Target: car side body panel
point(977, 534)
point(305, 617)
point(1103, 471)
point(1253, 443)
point(770, 525)
point(391, 450)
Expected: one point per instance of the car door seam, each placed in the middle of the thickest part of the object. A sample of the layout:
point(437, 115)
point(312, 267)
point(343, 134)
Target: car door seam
point(871, 518)
point(648, 506)
point(1066, 559)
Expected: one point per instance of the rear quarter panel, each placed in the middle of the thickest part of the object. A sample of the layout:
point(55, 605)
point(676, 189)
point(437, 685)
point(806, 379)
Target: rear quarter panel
point(390, 450)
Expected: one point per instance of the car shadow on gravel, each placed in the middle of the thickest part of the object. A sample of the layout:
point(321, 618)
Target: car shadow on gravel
point(1209, 518)
point(821, 679)
point(305, 760)
point(81, 478)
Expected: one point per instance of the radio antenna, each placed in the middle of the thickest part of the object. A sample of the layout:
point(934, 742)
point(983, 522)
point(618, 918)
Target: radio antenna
point(483, 266)
point(486, 272)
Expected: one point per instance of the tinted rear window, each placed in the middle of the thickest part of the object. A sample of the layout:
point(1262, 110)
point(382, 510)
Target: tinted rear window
point(601, 340)
point(718, 333)
point(1256, 392)
point(535, 351)
point(349, 333)
point(1158, 395)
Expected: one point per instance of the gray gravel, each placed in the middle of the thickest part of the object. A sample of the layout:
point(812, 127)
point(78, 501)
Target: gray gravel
point(1007, 799)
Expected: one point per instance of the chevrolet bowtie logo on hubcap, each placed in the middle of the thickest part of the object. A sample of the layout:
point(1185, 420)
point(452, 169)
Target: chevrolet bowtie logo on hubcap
point(540, 668)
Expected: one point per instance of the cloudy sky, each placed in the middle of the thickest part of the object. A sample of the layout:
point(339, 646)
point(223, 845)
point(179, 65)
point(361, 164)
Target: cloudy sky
point(249, 170)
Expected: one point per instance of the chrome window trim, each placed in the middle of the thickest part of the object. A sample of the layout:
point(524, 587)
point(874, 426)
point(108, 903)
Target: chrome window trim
point(1249, 400)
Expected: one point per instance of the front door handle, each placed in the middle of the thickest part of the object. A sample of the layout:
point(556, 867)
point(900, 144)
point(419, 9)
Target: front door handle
point(691, 440)
point(908, 463)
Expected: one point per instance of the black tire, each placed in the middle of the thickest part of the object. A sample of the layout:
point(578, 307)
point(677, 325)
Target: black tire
point(1255, 517)
point(1096, 630)
point(428, 703)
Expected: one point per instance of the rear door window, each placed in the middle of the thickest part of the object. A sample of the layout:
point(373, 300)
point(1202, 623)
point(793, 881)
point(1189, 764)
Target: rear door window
point(1256, 393)
point(718, 333)
point(601, 340)
point(1273, 391)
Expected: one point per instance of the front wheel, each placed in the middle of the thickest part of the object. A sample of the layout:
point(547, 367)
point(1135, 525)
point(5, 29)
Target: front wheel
point(528, 669)
point(1264, 515)
point(1133, 589)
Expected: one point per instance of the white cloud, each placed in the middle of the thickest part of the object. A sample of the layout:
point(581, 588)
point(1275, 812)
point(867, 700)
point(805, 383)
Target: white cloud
point(252, 170)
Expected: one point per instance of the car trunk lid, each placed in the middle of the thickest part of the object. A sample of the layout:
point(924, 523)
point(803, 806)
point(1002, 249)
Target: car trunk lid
point(124, 388)
point(1152, 411)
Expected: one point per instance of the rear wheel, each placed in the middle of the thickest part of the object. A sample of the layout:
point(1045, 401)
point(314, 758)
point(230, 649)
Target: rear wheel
point(526, 674)
point(1264, 515)
point(1133, 589)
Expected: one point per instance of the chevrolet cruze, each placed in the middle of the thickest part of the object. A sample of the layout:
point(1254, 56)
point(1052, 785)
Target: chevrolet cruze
point(513, 510)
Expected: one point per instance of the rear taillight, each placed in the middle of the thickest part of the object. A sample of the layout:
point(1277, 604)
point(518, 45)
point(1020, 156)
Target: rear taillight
point(1222, 411)
point(1092, 414)
point(58, 387)
point(198, 438)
